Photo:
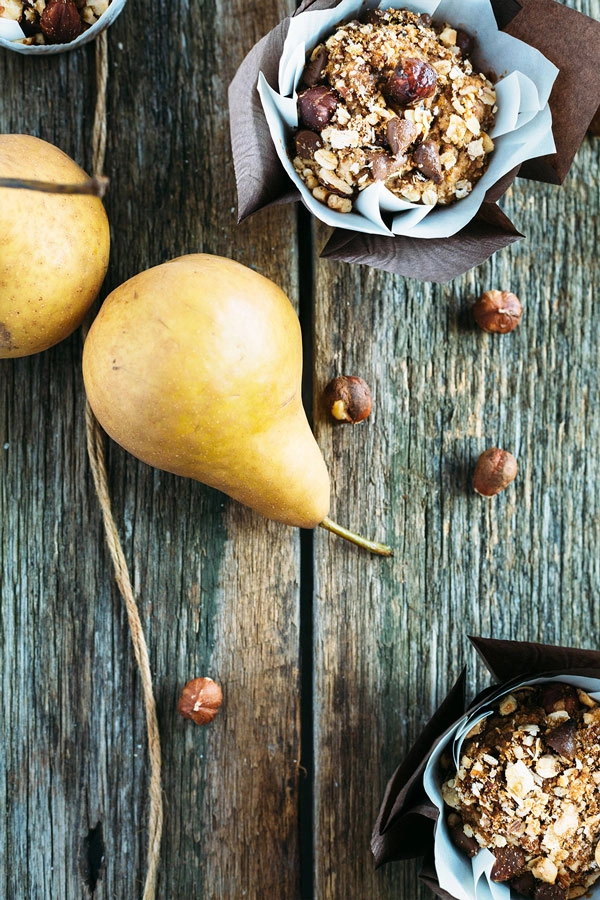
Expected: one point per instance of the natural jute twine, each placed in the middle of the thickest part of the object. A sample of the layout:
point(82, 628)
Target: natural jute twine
point(95, 447)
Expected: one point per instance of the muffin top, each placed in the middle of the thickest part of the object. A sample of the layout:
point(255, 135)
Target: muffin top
point(390, 97)
point(528, 789)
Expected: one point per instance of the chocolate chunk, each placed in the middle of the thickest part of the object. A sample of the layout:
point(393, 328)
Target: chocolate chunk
point(464, 41)
point(563, 739)
point(468, 845)
point(509, 862)
point(549, 892)
point(523, 884)
point(383, 165)
point(306, 143)
point(556, 695)
point(380, 166)
point(313, 71)
point(400, 134)
point(427, 160)
point(411, 80)
point(316, 106)
point(371, 17)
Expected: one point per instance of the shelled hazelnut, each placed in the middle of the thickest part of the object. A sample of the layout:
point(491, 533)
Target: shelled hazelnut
point(200, 700)
point(347, 398)
point(498, 311)
point(60, 22)
point(494, 471)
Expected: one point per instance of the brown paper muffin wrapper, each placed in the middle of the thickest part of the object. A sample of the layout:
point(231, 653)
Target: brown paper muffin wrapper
point(567, 38)
point(405, 824)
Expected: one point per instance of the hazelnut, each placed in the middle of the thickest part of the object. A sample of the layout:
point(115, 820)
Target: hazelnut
point(508, 705)
point(494, 471)
point(200, 700)
point(316, 107)
point(585, 699)
point(498, 311)
point(348, 399)
point(411, 80)
point(60, 22)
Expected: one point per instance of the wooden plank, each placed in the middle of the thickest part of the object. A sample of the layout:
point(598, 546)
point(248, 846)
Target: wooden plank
point(217, 585)
point(391, 636)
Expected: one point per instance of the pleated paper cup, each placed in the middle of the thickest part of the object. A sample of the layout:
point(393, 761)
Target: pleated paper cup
point(413, 819)
point(547, 32)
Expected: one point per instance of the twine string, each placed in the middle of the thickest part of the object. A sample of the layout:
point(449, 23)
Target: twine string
point(95, 186)
point(95, 448)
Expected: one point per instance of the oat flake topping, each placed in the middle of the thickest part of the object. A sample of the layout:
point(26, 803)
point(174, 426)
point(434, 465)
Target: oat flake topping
point(393, 98)
point(528, 789)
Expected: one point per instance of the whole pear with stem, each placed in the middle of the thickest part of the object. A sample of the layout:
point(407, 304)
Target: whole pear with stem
point(194, 366)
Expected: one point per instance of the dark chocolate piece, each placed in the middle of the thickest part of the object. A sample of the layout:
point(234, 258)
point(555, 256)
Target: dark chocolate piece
point(508, 864)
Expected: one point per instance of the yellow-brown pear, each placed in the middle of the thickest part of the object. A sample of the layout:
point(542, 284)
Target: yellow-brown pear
point(53, 247)
point(194, 367)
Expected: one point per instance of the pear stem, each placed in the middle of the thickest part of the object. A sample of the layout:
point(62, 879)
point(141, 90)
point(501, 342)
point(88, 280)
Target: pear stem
point(371, 546)
point(95, 186)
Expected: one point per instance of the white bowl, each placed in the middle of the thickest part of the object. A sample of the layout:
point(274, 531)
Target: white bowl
point(14, 43)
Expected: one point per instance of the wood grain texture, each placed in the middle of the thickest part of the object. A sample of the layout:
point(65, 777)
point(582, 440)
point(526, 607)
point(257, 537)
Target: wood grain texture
point(391, 636)
point(219, 589)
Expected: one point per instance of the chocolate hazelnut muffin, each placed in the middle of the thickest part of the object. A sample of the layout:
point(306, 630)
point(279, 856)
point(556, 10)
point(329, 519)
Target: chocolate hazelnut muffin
point(528, 789)
point(393, 98)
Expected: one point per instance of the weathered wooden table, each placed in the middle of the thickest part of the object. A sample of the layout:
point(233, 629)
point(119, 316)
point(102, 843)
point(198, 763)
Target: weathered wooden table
point(330, 660)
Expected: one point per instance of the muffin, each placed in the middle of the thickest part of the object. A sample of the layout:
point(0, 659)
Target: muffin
point(527, 788)
point(390, 97)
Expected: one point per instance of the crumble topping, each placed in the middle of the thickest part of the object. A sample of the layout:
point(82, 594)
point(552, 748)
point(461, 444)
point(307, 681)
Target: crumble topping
point(393, 98)
point(528, 789)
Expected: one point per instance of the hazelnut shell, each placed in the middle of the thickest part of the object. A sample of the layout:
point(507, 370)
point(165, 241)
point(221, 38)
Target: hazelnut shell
point(498, 312)
point(348, 399)
point(494, 471)
point(60, 22)
point(200, 700)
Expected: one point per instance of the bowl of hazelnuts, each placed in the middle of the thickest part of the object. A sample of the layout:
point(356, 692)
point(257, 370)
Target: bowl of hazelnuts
point(54, 26)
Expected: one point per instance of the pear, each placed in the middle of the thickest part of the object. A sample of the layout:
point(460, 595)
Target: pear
point(54, 247)
point(194, 367)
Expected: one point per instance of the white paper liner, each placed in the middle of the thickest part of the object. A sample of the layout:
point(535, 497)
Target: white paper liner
point(464, 878)
point(523, 127)
point(11, 34)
